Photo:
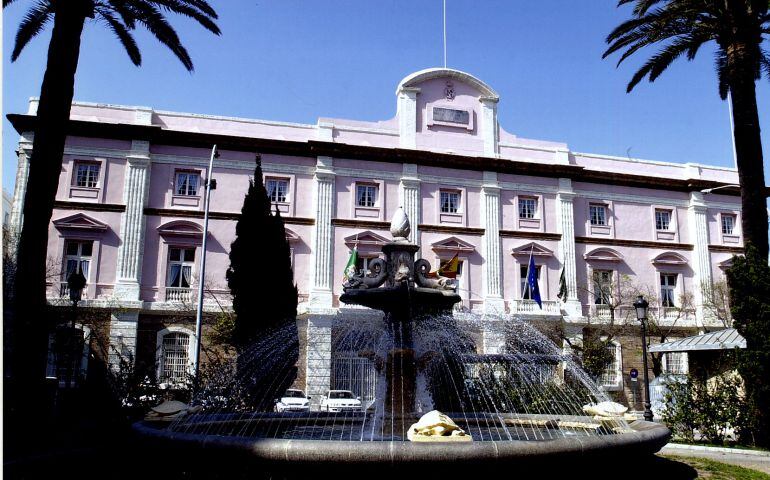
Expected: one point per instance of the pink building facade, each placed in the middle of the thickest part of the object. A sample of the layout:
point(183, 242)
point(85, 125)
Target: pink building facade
point(129, 216)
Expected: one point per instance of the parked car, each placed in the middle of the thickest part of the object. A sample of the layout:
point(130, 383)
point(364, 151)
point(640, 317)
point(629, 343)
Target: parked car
point(340, 401)
point(293, 401)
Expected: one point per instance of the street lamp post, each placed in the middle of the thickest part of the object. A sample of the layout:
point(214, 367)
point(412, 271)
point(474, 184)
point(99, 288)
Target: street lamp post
point(641, 314)
point(211, 184)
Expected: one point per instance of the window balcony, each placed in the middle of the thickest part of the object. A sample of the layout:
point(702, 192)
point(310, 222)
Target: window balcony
point(179, 294)
point(64, 291)
point(530, 307)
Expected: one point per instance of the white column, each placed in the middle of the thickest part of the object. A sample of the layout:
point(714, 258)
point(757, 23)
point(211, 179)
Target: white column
point(410, 200)
point(123, 328)
point(407, 117)
point(489, 130)
point(319, 357)
point(132, 222)
point(493, 336)
point(24, 153)
point(566, 226)
point(323, 235)
point(701, 261)
point(490, 220)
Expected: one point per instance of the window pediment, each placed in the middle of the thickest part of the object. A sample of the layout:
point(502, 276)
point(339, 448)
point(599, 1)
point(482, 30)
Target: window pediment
point(366, 239)
point(452, 245)
point(532, 248)
point(81, 222)
point(603, 255)
point(291, 237)
point(669, 258)
point(181, 228)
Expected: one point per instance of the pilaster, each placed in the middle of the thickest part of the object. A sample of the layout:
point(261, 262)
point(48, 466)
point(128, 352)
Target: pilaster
point(407, 117)
point(493, 336)
point(24, 153)
point(409, 198)
point(321, 296)
point(489, 128)
point(566, 226)
point(132, 222)
point(319, 356)
point(123, 330)
point(490, 220)
point(701, 261)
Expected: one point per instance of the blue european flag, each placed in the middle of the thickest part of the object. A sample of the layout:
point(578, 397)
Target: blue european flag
point(534, 290)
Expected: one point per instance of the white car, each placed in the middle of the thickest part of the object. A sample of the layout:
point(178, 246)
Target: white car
point(293, 401)
point(340, 401)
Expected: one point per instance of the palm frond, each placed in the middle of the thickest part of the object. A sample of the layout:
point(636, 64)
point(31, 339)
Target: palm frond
point(659, 62)
point(154, 21)
point(7, 2)
point(720, 64)
point(181, 7)
point(123, 34)
point(31, 25)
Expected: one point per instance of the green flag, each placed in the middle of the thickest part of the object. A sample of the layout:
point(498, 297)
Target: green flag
point(562, 287)
point(350, 268)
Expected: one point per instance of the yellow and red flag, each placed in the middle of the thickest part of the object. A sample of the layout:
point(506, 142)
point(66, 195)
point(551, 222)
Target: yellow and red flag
point(448, 269)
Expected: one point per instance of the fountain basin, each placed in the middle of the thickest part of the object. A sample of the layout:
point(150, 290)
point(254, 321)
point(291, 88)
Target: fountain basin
point(643, 438)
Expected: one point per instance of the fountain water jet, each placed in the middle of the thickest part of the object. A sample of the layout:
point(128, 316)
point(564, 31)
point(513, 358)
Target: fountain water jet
point(522, 405)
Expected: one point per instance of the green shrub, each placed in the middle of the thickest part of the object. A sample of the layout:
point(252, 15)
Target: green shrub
point(710, 407)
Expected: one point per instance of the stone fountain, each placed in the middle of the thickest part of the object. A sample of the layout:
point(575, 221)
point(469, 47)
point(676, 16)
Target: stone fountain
point(515, 413)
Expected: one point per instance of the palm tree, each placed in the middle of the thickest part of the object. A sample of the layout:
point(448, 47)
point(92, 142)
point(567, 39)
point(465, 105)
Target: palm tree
point(738, 27)
point(69, 17)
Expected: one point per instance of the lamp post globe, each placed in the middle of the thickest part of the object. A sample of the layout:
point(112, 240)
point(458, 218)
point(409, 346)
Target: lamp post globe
point(641, 305)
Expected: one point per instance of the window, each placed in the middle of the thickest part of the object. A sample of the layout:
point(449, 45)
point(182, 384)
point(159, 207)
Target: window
point(610, 377)
point(362, 265)
point(366, 195)
point(277, 189)
point(450, 201)
point(675, 363)
point(525, 293)
point(728, 224)
point(187, 183)
point(174, 357)
point(86, 174)
point(602, 287)
point(597, 214)
point(668, 289)
point(180, 265)
point(662, 219)
point(527, 207)
point(77, 257)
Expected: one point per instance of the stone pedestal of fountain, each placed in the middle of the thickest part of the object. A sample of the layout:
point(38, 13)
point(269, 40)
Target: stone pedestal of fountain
point(402, 290)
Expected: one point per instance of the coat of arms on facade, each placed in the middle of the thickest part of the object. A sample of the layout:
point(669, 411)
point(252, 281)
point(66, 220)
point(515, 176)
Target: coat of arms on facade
point(449, 91)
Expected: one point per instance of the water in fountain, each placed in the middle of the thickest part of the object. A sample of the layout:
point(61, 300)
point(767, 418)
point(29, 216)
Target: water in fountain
point(423, 358)
point(530, 390)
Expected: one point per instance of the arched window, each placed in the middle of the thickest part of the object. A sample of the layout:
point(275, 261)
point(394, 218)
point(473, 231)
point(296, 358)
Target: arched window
point(175, 346)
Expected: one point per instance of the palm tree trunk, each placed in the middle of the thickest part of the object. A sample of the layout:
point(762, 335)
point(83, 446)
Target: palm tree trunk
point(748, 149)
point(30, 332)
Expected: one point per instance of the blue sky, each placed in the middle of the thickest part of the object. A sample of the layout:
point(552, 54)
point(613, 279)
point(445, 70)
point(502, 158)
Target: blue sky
point(296, 60)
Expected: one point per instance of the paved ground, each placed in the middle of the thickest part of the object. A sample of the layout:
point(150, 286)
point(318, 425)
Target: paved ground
point(753, 459)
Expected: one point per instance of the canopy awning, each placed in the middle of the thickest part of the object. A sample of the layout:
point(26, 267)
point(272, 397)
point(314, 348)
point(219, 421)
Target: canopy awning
point(727, 339)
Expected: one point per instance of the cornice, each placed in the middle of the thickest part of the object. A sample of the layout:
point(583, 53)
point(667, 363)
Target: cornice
point(91, 207)
point(531, 235)
point(449, 229)
point(634, 243)
point(315, 148)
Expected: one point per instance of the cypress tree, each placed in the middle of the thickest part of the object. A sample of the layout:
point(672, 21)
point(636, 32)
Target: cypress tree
point(260, 276)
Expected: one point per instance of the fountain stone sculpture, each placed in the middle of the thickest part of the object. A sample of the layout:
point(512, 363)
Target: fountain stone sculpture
point(405, 291)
